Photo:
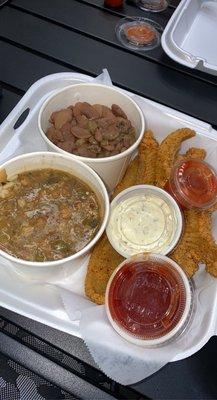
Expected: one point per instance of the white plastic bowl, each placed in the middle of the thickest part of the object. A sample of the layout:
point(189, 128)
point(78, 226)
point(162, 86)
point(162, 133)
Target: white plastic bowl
point(110, 169)
point(40, 160)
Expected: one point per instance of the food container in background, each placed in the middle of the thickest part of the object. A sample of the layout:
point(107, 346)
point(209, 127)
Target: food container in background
point(110, 169)
point(138, 33)
point(149, 300)
point(144, 218)
point(193, 184)
point(182, 39)
point(40, 160)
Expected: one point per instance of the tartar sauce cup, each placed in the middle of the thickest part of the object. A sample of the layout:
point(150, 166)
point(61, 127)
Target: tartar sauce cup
point(149, 300)
point(144, 218)
point(193, 184)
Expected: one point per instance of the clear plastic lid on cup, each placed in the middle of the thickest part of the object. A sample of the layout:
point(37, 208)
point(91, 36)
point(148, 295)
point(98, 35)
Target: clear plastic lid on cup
point(137, 33)
point(193, 183)
point(149, 300)
point(144, 218)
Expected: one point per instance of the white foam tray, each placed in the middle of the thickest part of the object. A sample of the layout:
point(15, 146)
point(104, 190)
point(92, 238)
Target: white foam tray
point(190, 35)
point(39, 301)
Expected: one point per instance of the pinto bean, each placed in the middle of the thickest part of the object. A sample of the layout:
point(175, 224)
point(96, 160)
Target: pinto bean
point(108, 147)
point(82, 121)
point(99, 109)
point(77, 109)
point(67, 146)
point(66, 127)
point(106, 112)
point(54, 135)
point(98, 135)
point(61, 117)
point(67, 135)
point(51, 119)
point(73, 122)
point(79, 132)
point(105, 122)
point(89, 111)
point(117, 111)
point(84, 151)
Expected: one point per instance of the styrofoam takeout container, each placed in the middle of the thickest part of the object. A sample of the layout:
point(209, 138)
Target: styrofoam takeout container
point(189, 37)
point(40, 160)
point(110, 169)
point(42, 301)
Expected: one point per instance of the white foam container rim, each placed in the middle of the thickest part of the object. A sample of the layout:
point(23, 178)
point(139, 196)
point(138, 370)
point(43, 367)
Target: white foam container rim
point(132, 190)
point(164, 339)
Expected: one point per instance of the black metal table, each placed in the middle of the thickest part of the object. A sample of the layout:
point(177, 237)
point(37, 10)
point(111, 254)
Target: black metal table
point(40, 37)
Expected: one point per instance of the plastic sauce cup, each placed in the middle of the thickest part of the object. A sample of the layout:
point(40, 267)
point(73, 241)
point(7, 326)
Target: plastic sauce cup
point(144, 218)
point(149, 300)
point(193, 184)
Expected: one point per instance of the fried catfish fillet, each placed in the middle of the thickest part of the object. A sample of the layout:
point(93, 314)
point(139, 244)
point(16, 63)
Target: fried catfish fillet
point(103, 260)
point(197, 244)
point(167, 152)
point(148, 151)
point(194, 152)
point(187, 252)
point(129, 178)
point(207, 243)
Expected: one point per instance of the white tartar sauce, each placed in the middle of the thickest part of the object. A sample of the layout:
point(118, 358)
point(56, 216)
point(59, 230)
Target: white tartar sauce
point(144, 221)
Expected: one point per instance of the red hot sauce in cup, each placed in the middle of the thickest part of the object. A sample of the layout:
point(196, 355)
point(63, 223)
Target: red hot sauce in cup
point(147, 299)
point(193, 184)
point(140, 34)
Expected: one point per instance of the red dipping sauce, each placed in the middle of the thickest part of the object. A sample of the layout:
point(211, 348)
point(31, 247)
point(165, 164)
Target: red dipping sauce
point(147, 298)
point(140, 34)
point(193, 184)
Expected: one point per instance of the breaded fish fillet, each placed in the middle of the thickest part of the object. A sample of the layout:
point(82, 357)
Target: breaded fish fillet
point(187, 252)
point(129, 178)
point(207, 243)
point(193, 152)
point(148, 151)
point(167, 152)
point(103, 260)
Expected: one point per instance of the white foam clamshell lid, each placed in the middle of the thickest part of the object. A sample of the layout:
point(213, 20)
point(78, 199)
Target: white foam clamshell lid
point(189, 37)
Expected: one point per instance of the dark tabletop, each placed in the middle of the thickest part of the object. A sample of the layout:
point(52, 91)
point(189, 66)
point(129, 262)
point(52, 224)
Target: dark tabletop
point(41, 37)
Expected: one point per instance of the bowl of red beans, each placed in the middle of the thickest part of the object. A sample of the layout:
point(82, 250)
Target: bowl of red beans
point(97, 124)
